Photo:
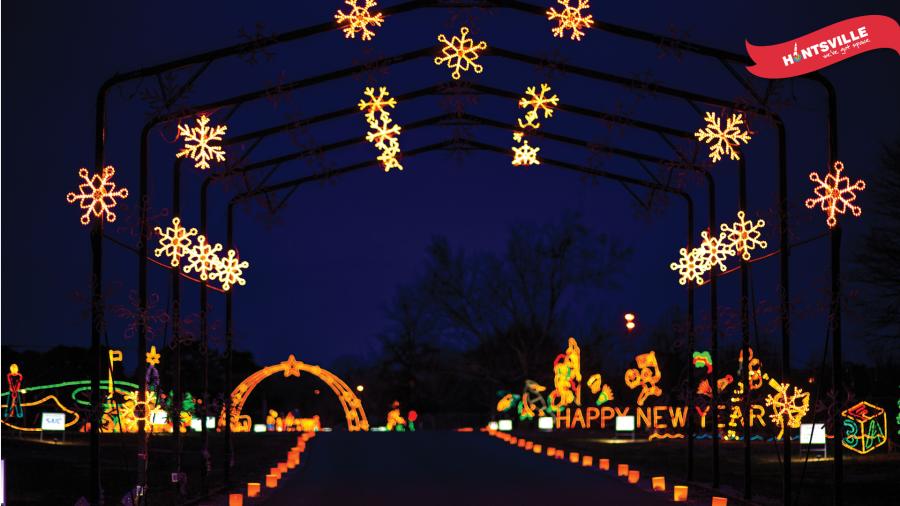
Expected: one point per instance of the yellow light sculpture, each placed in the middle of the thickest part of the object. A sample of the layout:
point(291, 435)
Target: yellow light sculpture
point(713, 251)
point(567, 377)
point(725, 140)
point(202, 258)
point(174, 242)
point(835, 194)
point(353, 409)
point(460, 53)
point(743, 235)
point(865, 427)
point(570, 18)
point(202, 150)
point(525, 154)
point(53, 398)
point(114, 356)
point(97, 195)
point(230, 270)
point(787, 409)
point(689, 266)
point(539, 102)
point(646, 376)
point(358, 19)
point(152, 356)
point(383, 134)
point(602, 390)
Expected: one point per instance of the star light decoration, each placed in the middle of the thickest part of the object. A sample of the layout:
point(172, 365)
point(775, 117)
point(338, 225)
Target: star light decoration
point(358, 19)
point(743, 235)
point(460, 53)
point(97, 195)
point(725, 140)
point(202, 150)
point(175, 242)
point(525, 154)
point(689, 266)
point(835, 194)
point(713, 251)
point(382, 134)
point(570, 18)
point(538, 102)
point(787, 410)
point(202, 258)
point(152, 356)
point(230, 270)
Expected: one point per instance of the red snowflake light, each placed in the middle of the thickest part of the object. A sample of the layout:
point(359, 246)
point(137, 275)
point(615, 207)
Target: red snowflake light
point(97, 195)
point(835, 194)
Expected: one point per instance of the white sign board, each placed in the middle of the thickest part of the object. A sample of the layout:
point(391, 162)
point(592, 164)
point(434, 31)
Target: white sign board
point(196, 425)
point(259, 427)
point(505, 425)
point(53, 421)
point(545, 423)
point(210, 422)
point(159, 417)
point(625, 423)
point(812, 433)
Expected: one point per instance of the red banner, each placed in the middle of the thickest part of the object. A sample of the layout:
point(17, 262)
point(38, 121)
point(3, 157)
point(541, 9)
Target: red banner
point(824, 47)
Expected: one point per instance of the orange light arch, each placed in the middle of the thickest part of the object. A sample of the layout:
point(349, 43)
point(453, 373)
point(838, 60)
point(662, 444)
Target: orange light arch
point(353, 410)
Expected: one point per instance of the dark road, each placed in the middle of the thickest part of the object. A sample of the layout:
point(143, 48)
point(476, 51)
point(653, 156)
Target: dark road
point(438, 468)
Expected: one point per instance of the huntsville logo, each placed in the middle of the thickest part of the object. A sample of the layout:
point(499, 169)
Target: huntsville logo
point(829, 47)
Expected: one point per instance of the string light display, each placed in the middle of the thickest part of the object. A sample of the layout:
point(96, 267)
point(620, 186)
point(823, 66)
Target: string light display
point(14, 381)
point(198, 142)
point(702, 359)
point(787, 409)
point(460, 53)
point(97, 195)
point(602, 390)
point(835, 194)
point(152, 356)
point(725, 140)
point(567, 377)
point(49, 398)
point(174, 241)
point(646, 376)
point(865, 427)
point(525, 154)
point(570, 18)
point(358, 19)
point(202, 258)
point(230, 270)
point(689, 266)
point(383, 134)
point(539, 102)
point(743, 235)
point(713, 251)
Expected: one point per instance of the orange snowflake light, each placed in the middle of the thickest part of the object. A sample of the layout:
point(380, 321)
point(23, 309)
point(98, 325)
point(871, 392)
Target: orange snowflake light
point(202, 258)
point(202, 151)
point(689, 266)
point(725, 140)
point(152, 356)
point(787, 409)
point(570, 18)
point(230, 270)
point(358, 19)
point(835, 194)
point(743, 235)
point(382, 134)
point(525, 154)
point(97, 195)
point(539, 102)
point(713, 251)
point(460, 53)
point(174, 242)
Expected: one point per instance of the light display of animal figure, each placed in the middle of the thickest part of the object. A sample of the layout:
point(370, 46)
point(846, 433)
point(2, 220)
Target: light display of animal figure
point(395, 421)
point(602, 390)
point(567, 378)
point(532, 402)
point(646, 376)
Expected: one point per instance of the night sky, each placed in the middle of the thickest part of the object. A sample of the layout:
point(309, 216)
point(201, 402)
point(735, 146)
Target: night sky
point(325, 268)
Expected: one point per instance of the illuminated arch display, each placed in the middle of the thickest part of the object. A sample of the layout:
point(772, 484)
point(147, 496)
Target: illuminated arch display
point(353, 410)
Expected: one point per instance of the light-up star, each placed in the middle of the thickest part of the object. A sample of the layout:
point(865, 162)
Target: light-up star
point(835, 194)
point(725, 140)
point(539, 102)
point(460, 53)
point(230, 270)
point(152, 356)
point(713, 251)
point(689, 266)
point(358, 19)
point(787, 409)
point(293, 366)
point(97, 195)
point(743, 235)
point(570, 18)
point(202, 258)
point(174, 242)
point(202, 151)
point(383, 134)
point(525, 154)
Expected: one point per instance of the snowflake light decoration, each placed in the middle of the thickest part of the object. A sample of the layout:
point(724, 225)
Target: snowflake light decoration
point(174, 242)
point(725, 140)
point(525, 154)
point(359, 18)
point(713, 251)
point(689, 266)
point(539, 102)
point(787, 410)
point(202, 151)
point(230, 270)
point(743, 235)
point(97, 195)
point(152, 356)
point(383, 134)
point(202, 258)
point(460, 53)
point(835, 194)
point(570, 18)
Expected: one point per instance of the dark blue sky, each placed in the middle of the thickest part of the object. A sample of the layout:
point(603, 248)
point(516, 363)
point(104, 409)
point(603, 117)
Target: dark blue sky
point(321, 276)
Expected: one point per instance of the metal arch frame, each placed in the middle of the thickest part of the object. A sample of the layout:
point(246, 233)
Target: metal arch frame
point(208, 57)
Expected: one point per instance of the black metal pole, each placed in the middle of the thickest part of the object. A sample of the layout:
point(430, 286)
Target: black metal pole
point(690, 349)
point(714, 346)
point(785, 296)
point(176, 337)
point(745, 335)
point(837, 358)
point(96, 494)
point(229, 334)
point(204, 339)
point(143, 244)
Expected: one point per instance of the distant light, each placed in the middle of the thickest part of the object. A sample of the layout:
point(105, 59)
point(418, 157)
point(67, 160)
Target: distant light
point(493, 425)
point(625, 423)
point(360, 388)
point(505, 425)
point(325, 429)
point(629, 321)
point(259, 427)
point(545, 423)
point(210, 422)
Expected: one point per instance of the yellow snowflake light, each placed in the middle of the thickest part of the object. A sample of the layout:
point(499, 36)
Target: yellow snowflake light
point(743, 235)
point(201, 151)
point(230, 270)
point(525, 154)
point(835, 194)
point(539, 102)
point(359, 18)
point(787, 410)
point(570, 18)
point(97, 195)
point(713, 251)
point(460, 53)
point(689, 266)
point(383, 134)
point(174, 241)
point(152, 356)
point(202, 258)
point(726, 140)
